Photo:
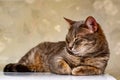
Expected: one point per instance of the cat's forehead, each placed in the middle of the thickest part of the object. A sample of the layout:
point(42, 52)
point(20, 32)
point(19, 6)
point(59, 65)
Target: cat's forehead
point(78, 23)
point(78, 28)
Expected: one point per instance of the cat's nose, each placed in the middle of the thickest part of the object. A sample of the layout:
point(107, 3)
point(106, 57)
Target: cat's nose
point(70, 48)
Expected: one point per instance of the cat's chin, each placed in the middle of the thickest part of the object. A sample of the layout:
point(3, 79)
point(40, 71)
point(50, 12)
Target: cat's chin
point(75, 53)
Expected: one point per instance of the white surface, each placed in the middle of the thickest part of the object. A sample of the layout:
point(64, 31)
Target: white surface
point(49, 76)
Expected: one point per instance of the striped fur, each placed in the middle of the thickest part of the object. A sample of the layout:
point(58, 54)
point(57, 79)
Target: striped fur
point(85, 52)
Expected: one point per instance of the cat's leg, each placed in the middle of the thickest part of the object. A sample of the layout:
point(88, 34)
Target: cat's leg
point(16, 67)
point(86, 70)
point(34, 61)
point(59, 66)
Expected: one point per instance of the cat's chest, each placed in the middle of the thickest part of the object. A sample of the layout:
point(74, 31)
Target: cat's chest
point(71, 59)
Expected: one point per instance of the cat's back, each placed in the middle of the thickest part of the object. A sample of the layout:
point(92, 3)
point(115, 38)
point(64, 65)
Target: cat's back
point(37, 58)
point(51, 47)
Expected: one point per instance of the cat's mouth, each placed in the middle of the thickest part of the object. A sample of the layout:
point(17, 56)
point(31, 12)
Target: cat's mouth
point(73, 52)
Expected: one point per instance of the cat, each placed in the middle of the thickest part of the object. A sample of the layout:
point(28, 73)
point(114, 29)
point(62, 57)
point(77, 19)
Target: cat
point(84, 52)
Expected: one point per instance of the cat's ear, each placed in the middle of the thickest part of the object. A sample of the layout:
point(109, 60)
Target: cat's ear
point(91, 24)
point(69, 21)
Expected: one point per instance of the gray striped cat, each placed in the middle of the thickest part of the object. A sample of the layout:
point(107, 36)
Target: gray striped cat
point(84, 52)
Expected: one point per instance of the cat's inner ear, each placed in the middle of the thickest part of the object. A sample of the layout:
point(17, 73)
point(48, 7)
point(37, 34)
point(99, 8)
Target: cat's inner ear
point(91, 24)
point(69, 21)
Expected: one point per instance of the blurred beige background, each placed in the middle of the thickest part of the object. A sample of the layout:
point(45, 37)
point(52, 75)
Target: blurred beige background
point(25, 23)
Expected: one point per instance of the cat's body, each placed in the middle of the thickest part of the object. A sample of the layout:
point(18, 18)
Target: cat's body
point(85, 52)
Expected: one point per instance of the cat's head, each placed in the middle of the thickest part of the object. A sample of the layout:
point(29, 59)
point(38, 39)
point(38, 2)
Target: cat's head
point(83, 37)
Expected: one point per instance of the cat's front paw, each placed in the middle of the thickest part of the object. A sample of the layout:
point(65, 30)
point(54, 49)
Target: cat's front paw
point(78, 71)
point(64, 67)
point(59, 66)
point(86, 70)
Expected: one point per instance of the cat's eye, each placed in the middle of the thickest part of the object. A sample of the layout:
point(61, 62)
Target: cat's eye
point(78, 41)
